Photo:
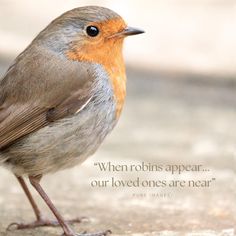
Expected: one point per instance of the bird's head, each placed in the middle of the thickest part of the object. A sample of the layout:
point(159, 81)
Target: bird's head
point(88, 33)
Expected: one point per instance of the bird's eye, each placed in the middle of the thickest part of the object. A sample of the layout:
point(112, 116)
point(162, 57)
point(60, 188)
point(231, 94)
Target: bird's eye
point(92, 31)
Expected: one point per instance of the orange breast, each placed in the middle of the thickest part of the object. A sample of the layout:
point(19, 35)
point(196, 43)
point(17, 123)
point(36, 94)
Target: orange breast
point(117, 74)
point(109, 55)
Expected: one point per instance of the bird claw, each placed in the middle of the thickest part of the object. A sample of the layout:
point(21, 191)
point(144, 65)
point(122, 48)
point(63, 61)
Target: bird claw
point(35, 224)
point(41, 223)
point(12, 226)
point(105, 233)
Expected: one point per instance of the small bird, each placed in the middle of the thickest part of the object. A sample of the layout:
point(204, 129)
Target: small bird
point(60, 98)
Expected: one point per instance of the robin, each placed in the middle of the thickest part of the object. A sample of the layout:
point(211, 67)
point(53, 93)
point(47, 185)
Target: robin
point(60, 98)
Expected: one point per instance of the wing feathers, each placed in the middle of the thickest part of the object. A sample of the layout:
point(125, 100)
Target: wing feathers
point(33, 96)
point(22, 127)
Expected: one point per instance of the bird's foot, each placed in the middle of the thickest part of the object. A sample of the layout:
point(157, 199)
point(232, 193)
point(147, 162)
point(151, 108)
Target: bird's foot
point(105, 233)
point(42, 223)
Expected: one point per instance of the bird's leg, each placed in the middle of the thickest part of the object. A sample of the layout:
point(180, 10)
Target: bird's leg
point(34, 180)
point(40, 220)
point(37, 212)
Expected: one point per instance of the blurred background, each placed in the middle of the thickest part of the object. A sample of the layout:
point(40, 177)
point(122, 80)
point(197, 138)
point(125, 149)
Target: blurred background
point(180, 109)
point(181, 35)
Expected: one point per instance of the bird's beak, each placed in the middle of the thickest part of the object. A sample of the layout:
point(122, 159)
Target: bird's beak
point(128, 31)
point(131, 31)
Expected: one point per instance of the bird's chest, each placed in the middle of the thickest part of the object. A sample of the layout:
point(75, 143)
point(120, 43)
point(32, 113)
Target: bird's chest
point(118, 81)
point(107, 56)
point(117, 77)
point(100, 115)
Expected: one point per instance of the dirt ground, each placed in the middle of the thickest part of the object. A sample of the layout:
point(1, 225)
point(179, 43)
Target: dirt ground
point(167, 120)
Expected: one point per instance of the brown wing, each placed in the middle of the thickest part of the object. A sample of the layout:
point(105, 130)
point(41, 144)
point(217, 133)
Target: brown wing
point(38, 90)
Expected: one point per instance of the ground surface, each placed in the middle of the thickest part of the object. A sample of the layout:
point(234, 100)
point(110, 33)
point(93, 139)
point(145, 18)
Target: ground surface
point(166, 121)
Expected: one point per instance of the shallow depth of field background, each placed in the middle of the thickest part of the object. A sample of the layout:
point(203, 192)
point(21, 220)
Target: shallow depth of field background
point(180, 109)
